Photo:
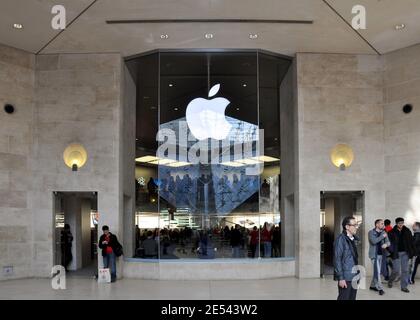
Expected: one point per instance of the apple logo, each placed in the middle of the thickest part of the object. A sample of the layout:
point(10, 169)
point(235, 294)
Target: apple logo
point(206, 117)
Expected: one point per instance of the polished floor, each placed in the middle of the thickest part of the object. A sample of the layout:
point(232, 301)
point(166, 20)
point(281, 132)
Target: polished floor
point(285, 288)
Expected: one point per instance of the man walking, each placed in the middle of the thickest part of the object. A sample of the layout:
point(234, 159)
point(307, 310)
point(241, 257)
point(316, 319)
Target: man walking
point(378, 242)
point(416, 258)
point(402, 250)
point(345, 258)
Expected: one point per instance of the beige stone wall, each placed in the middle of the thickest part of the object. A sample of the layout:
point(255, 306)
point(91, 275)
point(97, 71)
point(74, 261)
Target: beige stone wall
point(340, 100)
point(78, 99)
point(402, 134)
point(17, 74)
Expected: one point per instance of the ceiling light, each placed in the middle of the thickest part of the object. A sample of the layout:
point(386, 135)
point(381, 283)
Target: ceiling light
point(209, 36)
point(244, 85)
point(18, 26)
point(176, 109)
point(162, 161)
point(179, 164)
point(153, 108)
point(146, 159)
point(249, 161)
point(253, 36)
point(164, 36)
point(232, 164)
point(171, 85)
point(399, 26)
point(237, 109)
point(266, 158)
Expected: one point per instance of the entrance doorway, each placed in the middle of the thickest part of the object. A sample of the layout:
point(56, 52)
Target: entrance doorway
point(76, 232)
point(335, 205)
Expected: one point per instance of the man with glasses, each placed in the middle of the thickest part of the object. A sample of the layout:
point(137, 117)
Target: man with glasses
point(402, 250)
point(345, 258)
point(378, 240)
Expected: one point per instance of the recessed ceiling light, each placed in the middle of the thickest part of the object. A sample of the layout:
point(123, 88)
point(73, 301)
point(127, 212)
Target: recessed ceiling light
point(171, 85)
point(399, 26)
point(244, 85)
point(176, 109)
point(237, 109)
point(209, 36)
point(253, 36)
point(17, 26)
point(164, 36)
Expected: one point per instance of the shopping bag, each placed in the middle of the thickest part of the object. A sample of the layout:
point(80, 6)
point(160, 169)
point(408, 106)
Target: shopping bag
point(104, 276)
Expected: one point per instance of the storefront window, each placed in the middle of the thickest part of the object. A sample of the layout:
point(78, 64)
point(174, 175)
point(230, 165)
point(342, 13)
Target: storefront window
point(207, 155)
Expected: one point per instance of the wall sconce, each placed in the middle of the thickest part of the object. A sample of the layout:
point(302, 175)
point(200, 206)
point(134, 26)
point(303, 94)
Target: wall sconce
point(75, 156)
point(342, 156)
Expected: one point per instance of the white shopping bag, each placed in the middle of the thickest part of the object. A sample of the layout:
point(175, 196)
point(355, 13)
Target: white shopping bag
point(104, 276)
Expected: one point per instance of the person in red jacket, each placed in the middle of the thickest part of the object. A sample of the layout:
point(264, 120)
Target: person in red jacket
point(388, 227)
point(266, 236)
point(254, 241)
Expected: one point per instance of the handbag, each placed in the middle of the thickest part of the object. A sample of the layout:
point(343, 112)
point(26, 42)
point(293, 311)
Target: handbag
point(104, 276)
point(118, 250)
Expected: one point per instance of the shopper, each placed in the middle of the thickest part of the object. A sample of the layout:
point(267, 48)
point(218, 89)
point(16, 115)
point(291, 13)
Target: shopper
point(66, 244)
point(266, 238)
point(254, 242)
point(416, 244)
point(236, 241)
point(111, 249)
point(345, 258)
point(379, 242)
point(402, 250)
point(150, 246)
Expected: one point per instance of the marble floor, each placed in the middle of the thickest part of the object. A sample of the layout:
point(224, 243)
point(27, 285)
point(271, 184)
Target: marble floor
point(284, 288)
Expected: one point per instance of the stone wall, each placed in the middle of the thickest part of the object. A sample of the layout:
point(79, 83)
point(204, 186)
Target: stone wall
point(78, 99)
point(340, 100)
point(402, 134)
point(17, 78)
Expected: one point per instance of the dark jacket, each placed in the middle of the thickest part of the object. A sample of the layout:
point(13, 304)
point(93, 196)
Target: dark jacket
point(345, 258)
point(236, 238)
point(113, 243)
point(416, 243)
point(407, 239)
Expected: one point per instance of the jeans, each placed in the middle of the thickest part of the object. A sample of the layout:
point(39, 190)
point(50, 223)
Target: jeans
point(416, 261)
point(348, 293)
point(236, 251)
point(400, 266)
point(377, 266)
point(110, 262)
point(267, 249)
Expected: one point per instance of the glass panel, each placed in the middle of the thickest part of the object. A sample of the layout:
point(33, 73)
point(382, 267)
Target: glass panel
point(199, 191)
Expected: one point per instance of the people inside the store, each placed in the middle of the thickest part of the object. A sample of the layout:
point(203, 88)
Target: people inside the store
point(378, 244)
point(111, 249)
point(265, 189)
point(276, 242)
point(150, 246)
point(254, 242)
point(236, 241)
point(402, 249)
point(345, 258)
point(66, 240)
point(266, 238)
point(416, 245)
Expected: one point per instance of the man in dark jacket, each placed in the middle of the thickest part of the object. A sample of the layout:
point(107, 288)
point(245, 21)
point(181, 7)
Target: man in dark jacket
point(236, 240)
point(416, 244)
point(111, 248)
point(402, 250)
point(345, 259)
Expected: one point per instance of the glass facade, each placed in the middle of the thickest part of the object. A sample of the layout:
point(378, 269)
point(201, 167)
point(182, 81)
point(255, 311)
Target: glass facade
point(208, 154)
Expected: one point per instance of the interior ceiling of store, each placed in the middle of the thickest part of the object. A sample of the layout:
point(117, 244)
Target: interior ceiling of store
point(330, 31)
